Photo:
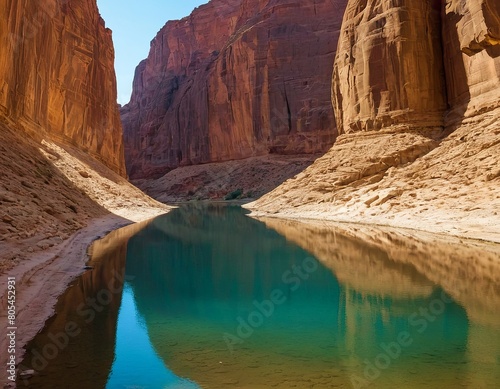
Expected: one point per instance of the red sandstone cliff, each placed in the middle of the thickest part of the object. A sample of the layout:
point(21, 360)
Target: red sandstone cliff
point(234, 79)
point(58, 114)
point(57, 77)
point(471, 42)
point(389, 68)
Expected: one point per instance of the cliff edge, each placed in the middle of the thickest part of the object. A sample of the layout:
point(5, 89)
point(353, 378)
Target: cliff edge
point(57, 77)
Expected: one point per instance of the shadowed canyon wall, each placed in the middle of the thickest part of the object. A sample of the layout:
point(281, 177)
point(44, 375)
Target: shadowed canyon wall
point(233, 80)
point(61, 144)
point(57, 77)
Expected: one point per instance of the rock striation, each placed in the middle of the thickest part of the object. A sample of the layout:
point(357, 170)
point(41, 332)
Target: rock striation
point(233, 80)
point(57, 76)
point(416, 64)
point(471, 42)
point(389, 67)
point(403, 63)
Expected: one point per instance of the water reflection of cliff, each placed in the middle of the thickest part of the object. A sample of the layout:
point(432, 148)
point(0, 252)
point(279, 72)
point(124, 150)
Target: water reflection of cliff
point(374, 263)
point(194, 271)
point(408, 262)
point(197, 269)
point(76, 347)
point(214, 253)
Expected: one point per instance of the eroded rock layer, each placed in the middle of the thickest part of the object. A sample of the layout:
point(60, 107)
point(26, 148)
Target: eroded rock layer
point(416, 63)
point(57, 76)
point(233, 80)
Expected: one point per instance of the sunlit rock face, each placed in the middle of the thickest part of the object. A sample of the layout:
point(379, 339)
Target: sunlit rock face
point(57, 77)
point(233, 80)
point(404, 65)
point(412, 63)
point(388, 69)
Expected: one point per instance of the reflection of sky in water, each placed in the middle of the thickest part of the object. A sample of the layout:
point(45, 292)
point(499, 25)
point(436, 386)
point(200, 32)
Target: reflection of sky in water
point(136, 364)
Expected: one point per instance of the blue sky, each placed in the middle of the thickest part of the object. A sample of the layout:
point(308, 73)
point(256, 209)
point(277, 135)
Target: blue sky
point(134, 24)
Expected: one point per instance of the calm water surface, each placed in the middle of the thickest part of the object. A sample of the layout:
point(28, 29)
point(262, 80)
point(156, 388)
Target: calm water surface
point(205, 297)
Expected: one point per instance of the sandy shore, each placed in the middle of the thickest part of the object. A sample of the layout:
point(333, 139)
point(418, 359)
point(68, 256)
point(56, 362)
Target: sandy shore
point(445, 223)
point(54, 202)
point(46, 275)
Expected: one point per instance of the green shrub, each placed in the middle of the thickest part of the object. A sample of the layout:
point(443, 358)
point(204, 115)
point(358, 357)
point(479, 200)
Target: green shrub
point(234, 195)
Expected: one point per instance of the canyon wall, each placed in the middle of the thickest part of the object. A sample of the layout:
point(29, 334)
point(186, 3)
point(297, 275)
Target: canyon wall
point(416, 63)
point(471, 42)
point(234, 79)
point(416, 93)
point(389, 67)
point(57, 76)
point(58, 119)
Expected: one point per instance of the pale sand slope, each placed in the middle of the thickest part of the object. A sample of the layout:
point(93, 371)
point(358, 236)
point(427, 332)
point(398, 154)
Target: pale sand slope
point(54, 202)
point(47, 193)
point(402, 179)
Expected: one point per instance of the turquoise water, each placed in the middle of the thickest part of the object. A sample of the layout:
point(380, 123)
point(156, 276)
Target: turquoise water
point(210, 298)
point(136, 362)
